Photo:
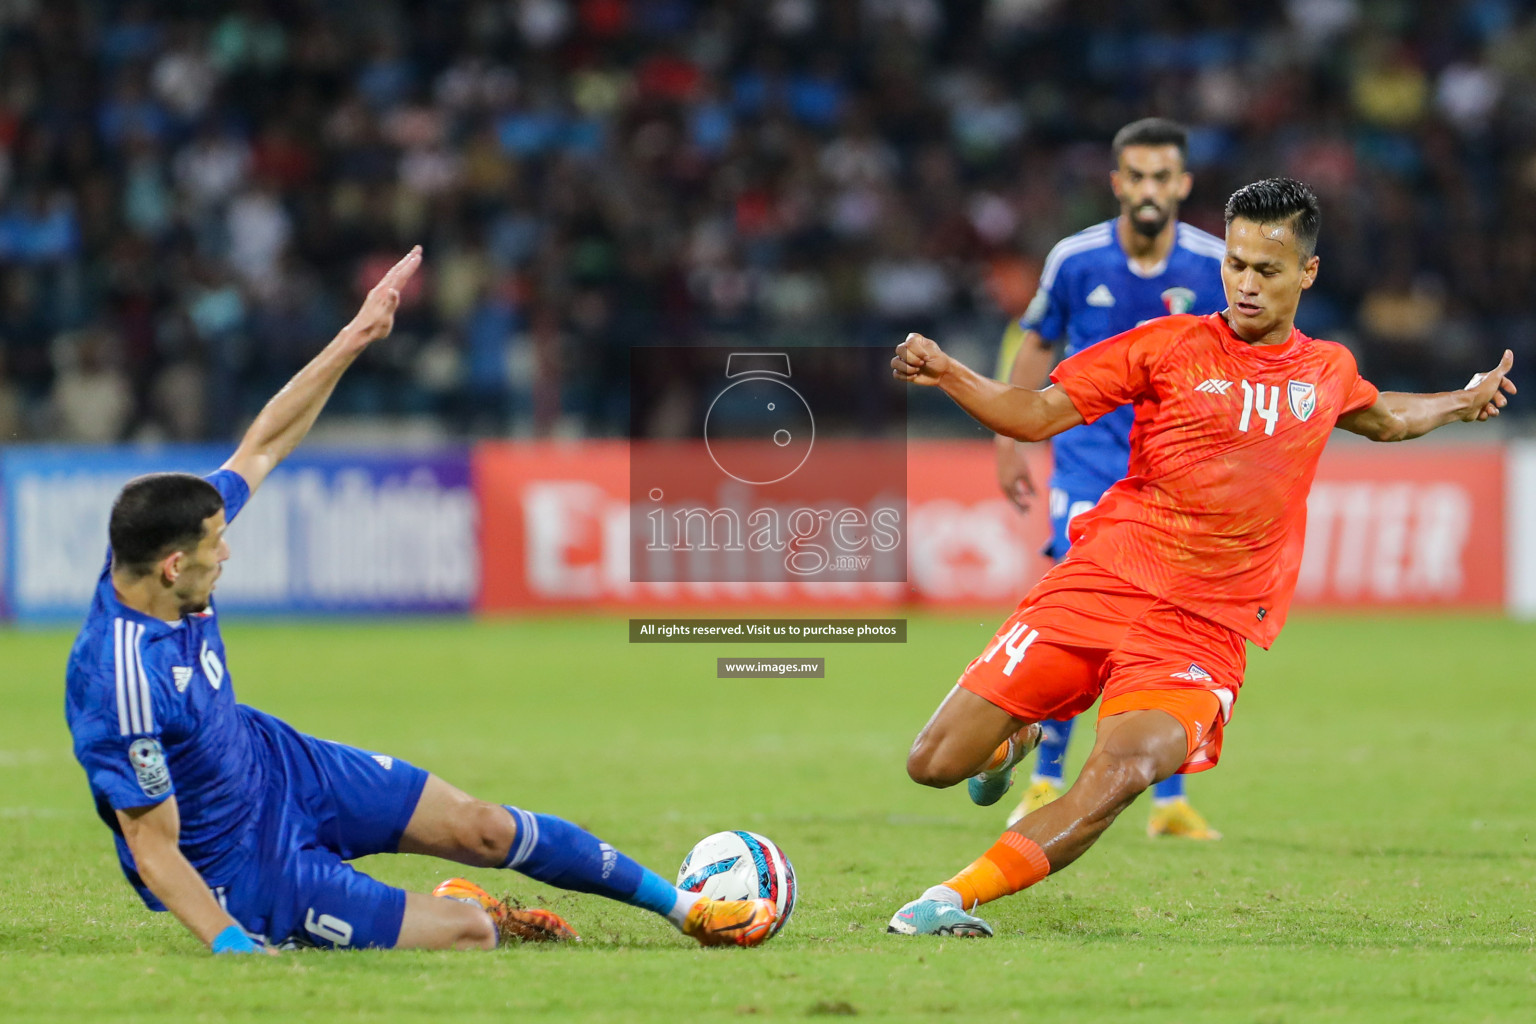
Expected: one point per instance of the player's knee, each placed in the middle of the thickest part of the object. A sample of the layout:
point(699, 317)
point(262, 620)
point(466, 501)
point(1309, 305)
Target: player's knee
point(1127, 777)
point(926, 767)
point(485, 831)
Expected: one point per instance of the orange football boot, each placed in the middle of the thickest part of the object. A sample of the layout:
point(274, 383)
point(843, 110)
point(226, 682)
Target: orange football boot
point(731, 922)
point(511, 922)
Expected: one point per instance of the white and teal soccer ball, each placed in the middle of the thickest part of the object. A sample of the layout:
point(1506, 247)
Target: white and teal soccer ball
point(741, 866)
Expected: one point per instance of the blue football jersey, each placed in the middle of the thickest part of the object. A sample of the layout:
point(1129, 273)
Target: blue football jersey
point(1090, 291)
point(152, 710)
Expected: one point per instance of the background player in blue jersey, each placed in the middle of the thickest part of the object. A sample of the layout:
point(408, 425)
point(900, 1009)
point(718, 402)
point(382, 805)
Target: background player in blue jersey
point(1096, 284)
point(242, 826)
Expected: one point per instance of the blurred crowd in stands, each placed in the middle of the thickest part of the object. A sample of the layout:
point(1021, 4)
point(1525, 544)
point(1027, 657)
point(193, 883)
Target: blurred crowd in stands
point(194, 196)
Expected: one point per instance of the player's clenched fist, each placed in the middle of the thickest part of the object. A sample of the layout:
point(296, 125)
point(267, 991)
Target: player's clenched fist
point(919, 360)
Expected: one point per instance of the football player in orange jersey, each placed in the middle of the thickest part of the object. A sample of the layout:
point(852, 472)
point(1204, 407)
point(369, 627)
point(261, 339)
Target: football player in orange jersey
point(1195, 552)
point(1103, 280)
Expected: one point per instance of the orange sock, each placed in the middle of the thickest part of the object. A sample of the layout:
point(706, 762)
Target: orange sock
point(999, 756)
point(1012, 864)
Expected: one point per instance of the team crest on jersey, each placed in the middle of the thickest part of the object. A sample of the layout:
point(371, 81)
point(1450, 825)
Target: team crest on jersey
point(1303, 399)
point(213, 668)
point(1195, 674)
point(182, 676)
point(148, 760)
point(1178, 300)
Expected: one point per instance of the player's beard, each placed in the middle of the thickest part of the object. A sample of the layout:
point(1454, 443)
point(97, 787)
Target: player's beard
point(196, 604)
point(196, 607)
point(1150, 228)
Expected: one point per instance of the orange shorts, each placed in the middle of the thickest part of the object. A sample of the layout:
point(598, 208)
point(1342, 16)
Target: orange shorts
point(1083, 633)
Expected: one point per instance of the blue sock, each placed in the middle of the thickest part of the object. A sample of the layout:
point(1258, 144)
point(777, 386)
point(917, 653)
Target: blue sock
point(554, 851)
point(1171, 788)
point(1053, 750)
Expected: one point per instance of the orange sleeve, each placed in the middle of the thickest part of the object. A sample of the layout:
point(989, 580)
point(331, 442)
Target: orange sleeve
point(1360, 393)
point(1114, 372)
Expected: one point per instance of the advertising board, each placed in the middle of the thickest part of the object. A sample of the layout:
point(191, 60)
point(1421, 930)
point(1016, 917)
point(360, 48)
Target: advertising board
point(331, 532)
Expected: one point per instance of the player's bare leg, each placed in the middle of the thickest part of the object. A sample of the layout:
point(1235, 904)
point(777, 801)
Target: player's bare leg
point(453, 825)
point(433, 923)
point(964, 737)
point(1133, 750)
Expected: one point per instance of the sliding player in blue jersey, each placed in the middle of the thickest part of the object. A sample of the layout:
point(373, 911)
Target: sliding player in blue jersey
point(242, 826)
point(1098, 283)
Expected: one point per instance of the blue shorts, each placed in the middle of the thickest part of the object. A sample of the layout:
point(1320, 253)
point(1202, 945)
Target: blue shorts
point(1066, 503)
point(329, 804)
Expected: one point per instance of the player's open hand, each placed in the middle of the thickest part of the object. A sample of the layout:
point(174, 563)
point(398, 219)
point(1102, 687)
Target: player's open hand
point(377, 317)
point(919, 360)
point(1490, 390)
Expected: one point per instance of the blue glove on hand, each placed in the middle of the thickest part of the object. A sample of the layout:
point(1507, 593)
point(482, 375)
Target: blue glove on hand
point(234, 940)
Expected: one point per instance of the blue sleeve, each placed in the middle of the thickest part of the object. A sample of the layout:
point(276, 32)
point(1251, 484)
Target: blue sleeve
point(233, 489)
point(117, 722)
point(1047, 312)
point(130, 771)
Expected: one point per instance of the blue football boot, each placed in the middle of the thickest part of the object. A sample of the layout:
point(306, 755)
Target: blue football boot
point(935, 917)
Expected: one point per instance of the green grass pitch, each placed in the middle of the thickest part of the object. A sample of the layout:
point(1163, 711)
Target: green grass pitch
point(1378, 794)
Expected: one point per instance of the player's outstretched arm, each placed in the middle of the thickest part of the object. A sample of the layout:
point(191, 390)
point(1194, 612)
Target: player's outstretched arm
point(1032, 359)
point(1016, 412)
point(1401, 415)
point(280, 426)
point(151, 834)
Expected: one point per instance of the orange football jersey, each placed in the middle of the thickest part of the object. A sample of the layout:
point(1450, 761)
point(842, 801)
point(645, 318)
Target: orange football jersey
point(1213, 509)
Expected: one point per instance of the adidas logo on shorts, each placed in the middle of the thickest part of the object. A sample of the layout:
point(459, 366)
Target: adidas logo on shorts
point(1195, 674)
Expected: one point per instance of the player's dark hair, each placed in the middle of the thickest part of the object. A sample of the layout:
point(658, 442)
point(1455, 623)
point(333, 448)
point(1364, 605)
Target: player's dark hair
point(157, 514)
point(1280, 201)
point(1153, 131)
